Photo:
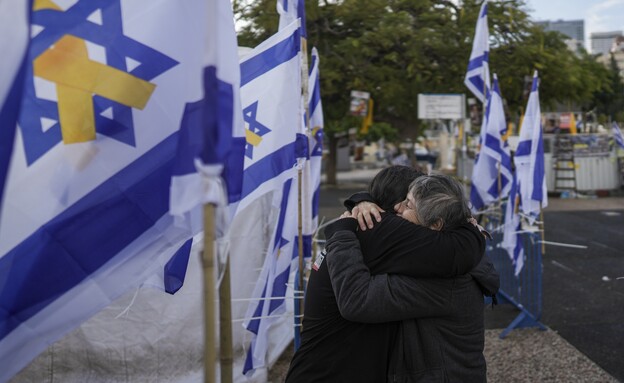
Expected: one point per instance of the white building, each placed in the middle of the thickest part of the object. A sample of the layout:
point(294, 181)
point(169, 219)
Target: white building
point(602, 42)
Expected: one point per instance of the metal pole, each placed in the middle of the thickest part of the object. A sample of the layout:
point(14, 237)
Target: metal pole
point(210, 343)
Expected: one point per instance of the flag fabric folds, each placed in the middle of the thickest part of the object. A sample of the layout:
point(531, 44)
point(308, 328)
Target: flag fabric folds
point(212, 136)
point(493, 157)
point(316, 142)
point(14, 22)
point(289, 11)
point(278, 272)
point(512, 238)
point(617, 135)
point(529, 158)
point(271, 101)
point(86, 206)
point(478, 74)
point(276, 146)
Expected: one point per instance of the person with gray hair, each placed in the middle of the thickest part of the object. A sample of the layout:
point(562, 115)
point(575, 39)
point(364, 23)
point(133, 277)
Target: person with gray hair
point(441, 334)
point(337, 345)
point(441, 202)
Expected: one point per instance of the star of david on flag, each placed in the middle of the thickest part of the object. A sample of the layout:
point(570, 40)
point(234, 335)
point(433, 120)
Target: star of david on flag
point(255, 129)
point(92, 102)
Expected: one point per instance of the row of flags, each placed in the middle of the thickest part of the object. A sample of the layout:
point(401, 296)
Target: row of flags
point(494, 178)
point(279, 278)
point(116, 125)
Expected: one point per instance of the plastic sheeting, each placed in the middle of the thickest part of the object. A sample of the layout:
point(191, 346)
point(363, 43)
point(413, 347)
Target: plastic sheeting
point(150, 336)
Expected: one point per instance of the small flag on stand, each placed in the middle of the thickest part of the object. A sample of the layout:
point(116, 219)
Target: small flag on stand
point(512, 238)
point(529, 158)
point(617, 135)
point(478, 74)
point(492, 173)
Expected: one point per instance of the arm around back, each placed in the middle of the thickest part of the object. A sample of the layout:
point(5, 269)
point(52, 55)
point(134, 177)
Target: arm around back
point(362, 297)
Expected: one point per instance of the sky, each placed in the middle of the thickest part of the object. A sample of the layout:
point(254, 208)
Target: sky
point(599, 15)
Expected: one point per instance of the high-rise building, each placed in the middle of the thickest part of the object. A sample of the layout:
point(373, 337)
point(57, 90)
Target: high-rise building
point(602, 42)
point(574, 29)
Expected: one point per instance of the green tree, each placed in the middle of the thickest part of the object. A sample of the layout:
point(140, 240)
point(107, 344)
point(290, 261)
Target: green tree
point(396, 49)
point(610, 100)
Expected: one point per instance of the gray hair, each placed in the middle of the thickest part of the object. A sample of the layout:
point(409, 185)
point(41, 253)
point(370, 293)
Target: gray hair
point(440, 198)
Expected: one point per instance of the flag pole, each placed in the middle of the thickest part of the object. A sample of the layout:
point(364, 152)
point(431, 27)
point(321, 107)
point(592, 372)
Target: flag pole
point(210, 353)
point(225, 325)
point(300, 284)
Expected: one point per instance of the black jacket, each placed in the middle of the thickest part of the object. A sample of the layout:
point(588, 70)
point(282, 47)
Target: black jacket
point(335, 349)
point(444, 343)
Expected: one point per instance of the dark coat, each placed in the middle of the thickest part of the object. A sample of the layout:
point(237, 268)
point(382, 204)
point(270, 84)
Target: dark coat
point(444, 343)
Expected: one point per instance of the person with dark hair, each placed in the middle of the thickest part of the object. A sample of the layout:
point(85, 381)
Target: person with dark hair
point(441, 336)
point(335, 349)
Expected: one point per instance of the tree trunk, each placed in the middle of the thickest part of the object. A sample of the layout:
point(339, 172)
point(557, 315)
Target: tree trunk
point(330, 168)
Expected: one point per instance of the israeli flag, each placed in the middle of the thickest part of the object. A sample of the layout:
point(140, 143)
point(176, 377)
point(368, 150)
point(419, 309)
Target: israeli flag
point(273, 296)
point(478, 74)
point(86, 206)
point(316, 142)
point(494, 156)
point(289, 11)
point(617, 134)
point(512, 238)
point(209, 158)
point(271, 101)
point(529, 158)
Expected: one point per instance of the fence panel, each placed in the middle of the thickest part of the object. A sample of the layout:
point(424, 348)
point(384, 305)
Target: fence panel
point(524, 290)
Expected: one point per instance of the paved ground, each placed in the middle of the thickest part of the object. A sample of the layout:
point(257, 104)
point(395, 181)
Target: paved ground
point(583, 295)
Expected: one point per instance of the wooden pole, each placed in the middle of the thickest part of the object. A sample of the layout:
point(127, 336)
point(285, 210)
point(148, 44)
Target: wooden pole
point(304, 91)
point(225, 325)
point(210, 343)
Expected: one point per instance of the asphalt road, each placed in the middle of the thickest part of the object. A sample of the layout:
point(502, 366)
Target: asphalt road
point(583, 289)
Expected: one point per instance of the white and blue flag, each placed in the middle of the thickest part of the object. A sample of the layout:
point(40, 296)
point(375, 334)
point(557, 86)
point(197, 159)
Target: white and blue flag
point(478, 74)
point(512, 237)
point(617, 135)
point(494, 158)
point(289, 11)
point(86, 206)
point(529, 158)
point(316, 138)
point(271, 101)
point(273, 289)
point(212, 136)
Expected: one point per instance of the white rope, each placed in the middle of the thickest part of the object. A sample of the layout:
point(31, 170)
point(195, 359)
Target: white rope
point(563, 244)
point(286, 315)
point(266, 299)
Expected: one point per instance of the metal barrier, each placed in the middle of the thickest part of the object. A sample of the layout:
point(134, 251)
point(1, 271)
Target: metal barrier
point(524, 290)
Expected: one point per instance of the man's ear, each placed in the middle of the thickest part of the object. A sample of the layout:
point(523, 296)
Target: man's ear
point(438, 225)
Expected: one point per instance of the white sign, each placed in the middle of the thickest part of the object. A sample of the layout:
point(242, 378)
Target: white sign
point(441, 106)
point(359, 103)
